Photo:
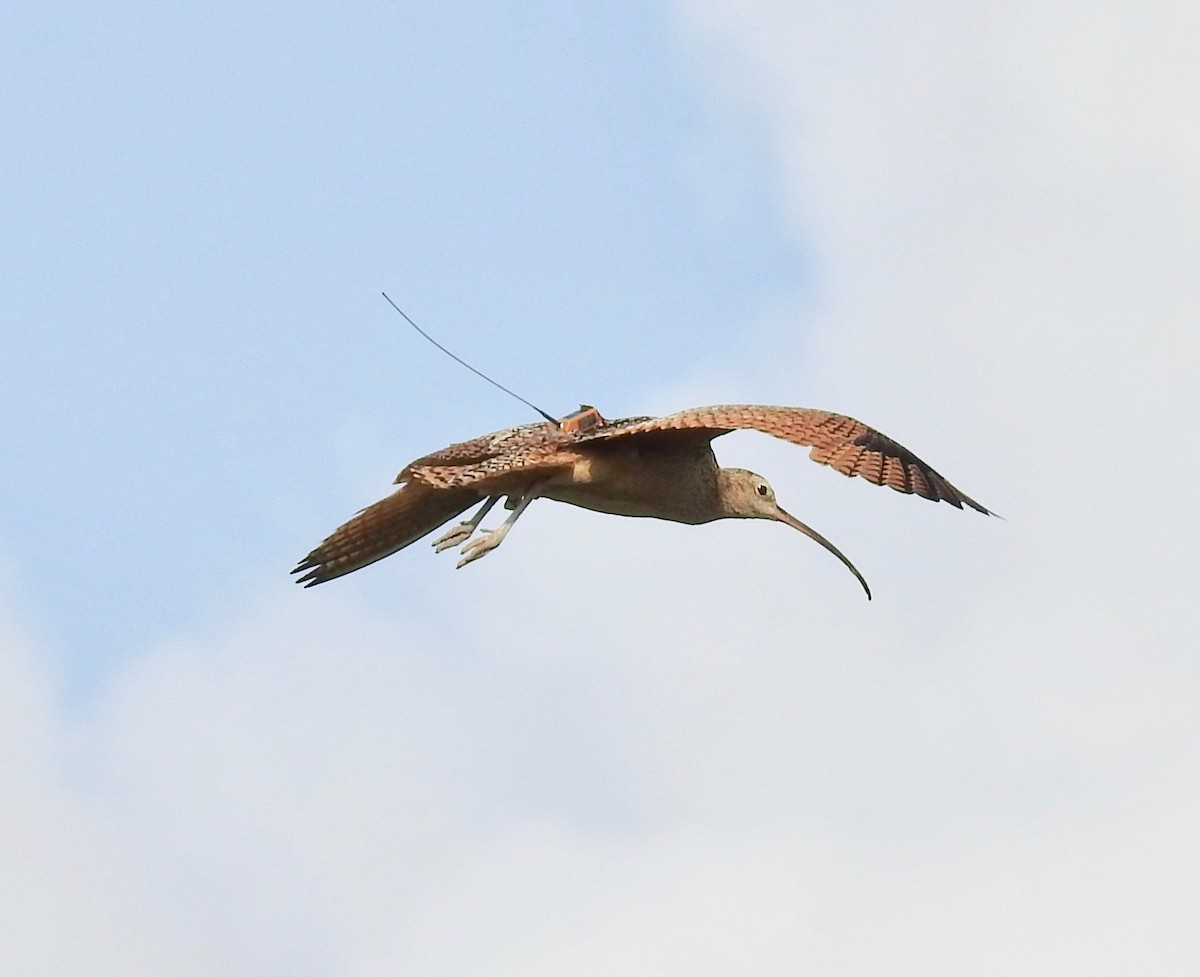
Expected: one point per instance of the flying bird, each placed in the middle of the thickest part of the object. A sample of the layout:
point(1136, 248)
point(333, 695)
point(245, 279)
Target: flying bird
point(654, 467)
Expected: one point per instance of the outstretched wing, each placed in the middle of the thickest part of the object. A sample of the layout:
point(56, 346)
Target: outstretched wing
point(480, 450)
point(515, 452)
point(846, 445)
point(383, 528)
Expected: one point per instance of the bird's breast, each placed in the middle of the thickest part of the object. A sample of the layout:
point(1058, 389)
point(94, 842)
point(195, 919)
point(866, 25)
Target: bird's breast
point(627, 482)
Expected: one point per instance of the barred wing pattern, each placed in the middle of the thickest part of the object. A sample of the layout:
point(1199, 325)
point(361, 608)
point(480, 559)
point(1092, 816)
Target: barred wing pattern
point(383, 528)
point(479, 450)
point(511, 451)
point(844, 444)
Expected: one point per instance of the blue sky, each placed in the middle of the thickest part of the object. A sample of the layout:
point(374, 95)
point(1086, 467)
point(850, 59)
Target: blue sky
point(211, 199)
point(614, 746)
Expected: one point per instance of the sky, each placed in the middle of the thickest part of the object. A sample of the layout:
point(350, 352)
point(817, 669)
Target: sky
point(613, 746)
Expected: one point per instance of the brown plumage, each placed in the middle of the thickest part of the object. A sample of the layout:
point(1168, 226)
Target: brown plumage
point(655, 467)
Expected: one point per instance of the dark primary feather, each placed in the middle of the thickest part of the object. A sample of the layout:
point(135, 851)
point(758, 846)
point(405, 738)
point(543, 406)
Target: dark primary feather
point(844, 444)
point(383, 528)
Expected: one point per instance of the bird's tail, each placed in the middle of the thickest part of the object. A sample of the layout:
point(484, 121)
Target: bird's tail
point(413, 511)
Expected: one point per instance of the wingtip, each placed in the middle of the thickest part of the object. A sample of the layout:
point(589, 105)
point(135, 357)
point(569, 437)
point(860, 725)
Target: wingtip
point(979, 508)
point(987, 512)
point(959, 499)
point(313, 576)
point(307, 563)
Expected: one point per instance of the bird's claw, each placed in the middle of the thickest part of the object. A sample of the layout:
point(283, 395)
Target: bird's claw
point(479, 546)
point(458, 534)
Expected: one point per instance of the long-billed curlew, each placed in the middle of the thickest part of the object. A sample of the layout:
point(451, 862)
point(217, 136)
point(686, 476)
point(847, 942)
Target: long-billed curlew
point(658, 467)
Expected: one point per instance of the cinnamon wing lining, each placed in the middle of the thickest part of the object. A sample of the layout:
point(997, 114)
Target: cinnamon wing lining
point(383, 528)
point(844, 444)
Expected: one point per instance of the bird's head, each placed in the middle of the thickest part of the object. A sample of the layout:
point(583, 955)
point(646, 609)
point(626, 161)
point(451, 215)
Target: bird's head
point(747, 495)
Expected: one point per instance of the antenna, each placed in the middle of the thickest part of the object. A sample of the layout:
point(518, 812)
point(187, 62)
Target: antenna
point(458, 359)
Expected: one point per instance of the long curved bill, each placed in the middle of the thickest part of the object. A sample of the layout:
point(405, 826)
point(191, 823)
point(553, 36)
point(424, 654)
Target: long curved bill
point(787, 517)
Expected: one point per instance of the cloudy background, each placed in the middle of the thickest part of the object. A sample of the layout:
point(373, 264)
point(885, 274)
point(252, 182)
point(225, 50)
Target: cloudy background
point(613, 746)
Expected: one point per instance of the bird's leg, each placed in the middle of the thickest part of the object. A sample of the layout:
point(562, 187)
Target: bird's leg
point(462, 532)
point(490, 539)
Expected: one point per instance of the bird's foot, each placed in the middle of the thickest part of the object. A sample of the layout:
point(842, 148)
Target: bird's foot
point(481, 545)
point(459, 534)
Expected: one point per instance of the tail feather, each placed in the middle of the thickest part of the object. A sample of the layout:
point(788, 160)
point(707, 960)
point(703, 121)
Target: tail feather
point(379, 530)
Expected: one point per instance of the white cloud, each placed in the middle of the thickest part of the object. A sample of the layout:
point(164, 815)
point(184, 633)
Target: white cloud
point(69, 905)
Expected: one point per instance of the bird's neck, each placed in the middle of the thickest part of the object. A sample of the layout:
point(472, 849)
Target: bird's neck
point(724, 503)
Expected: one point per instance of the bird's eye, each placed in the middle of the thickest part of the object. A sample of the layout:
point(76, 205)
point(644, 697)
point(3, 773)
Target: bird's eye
point(762, 489)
